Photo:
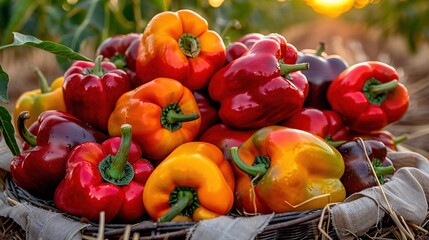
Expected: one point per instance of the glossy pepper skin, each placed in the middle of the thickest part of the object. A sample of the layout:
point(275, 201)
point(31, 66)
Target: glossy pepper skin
point(255, 90)
point(369, 96)
point(280, 169)
point(107, 177)
point(163, 113)
point(122, 50)
point(242, 45)
point(208, 110)
point(194, 181)
point(326, 124)
point(358, 174)
point(179, 45)
point(225, 137)
point(92, 89)
point(42, 164)
point(324, 69)
point(40, 100)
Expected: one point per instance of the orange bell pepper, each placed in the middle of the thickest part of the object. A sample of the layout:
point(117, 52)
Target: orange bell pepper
point(179, 45)
point(194, 181)
point(280, 169)
point(164, 114)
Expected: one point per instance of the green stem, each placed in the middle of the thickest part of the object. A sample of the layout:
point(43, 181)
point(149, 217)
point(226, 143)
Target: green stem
point(184, 198)
point(384, 87)
point(285, 69)
point(189, 45)
point(116, 169)
point(381, 171)
point(335, 143)
point(172, 117)
point(26, 135)
point(399, 139)
point(43, 83)
point(98, 70)
point(254, 170)
point(320, 49)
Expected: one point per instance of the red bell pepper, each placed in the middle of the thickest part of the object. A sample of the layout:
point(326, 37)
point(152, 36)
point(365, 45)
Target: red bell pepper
point(208, 111)
point(92, 89)
point(324, 69)
point(256, 90)
point(105, 177)
point(225, 137)
point(122, 50)
point(369, 96)
point(242, 45)
point(42, 164)
point(323, 123)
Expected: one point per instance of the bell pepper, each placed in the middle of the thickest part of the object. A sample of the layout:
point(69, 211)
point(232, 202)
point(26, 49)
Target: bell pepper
point(194, 182)
point(384, 136)
point(208, 110)
point(242, 45)
point(164, 114)
point(42, 164)
point(225, 137)
point(358, 157)
point(40, 100)
point(280, 169)
point(369, 96)
point(122, 50)
point(179, 45)
point(326, 124)
point(92, 89)
point(256, 90)
point(324, 69)
point(107, 177)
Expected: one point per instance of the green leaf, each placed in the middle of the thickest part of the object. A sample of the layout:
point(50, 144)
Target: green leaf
point(52, 47)
point(8, 131)
point(22, 11)
point(4, 81)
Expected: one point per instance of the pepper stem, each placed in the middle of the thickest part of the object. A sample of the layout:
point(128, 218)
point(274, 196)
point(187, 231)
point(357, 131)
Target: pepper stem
point(189, 45)
point(43, 83)
point(399, 139)
point(335, 143)
point(381, 170)
point(383, 87)
point(184, 198)
point(172, 117)
point(285, 69)
point(320, 49)
point(117, 169)
point(259, 167)
point(119, 61)
point(26, 135)
point(376, 92)
point(98, 70)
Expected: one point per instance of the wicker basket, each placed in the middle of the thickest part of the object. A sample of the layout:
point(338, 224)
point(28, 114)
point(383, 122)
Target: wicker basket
point(293, 225)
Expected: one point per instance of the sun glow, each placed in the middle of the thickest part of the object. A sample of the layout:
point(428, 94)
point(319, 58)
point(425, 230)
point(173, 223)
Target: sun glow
point(331, 8)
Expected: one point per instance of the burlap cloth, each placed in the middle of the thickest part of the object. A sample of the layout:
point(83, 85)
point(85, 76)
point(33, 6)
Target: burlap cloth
point(407, 193)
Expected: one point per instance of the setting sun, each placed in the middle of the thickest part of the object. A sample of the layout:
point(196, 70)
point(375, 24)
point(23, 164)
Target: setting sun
point(331, 8)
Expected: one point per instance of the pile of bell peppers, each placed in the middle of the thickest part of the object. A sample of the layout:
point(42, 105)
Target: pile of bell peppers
point(174, 125)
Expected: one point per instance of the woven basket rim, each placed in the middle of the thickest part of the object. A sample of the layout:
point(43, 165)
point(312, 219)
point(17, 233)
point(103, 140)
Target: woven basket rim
point(161, 229)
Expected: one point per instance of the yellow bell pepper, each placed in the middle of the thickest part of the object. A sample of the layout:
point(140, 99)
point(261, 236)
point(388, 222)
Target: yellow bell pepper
point(195, 181)
point(280, 169)
point(39, 100)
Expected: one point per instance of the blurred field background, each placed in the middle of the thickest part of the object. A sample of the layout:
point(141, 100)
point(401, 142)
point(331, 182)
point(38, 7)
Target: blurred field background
point(392, 31)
